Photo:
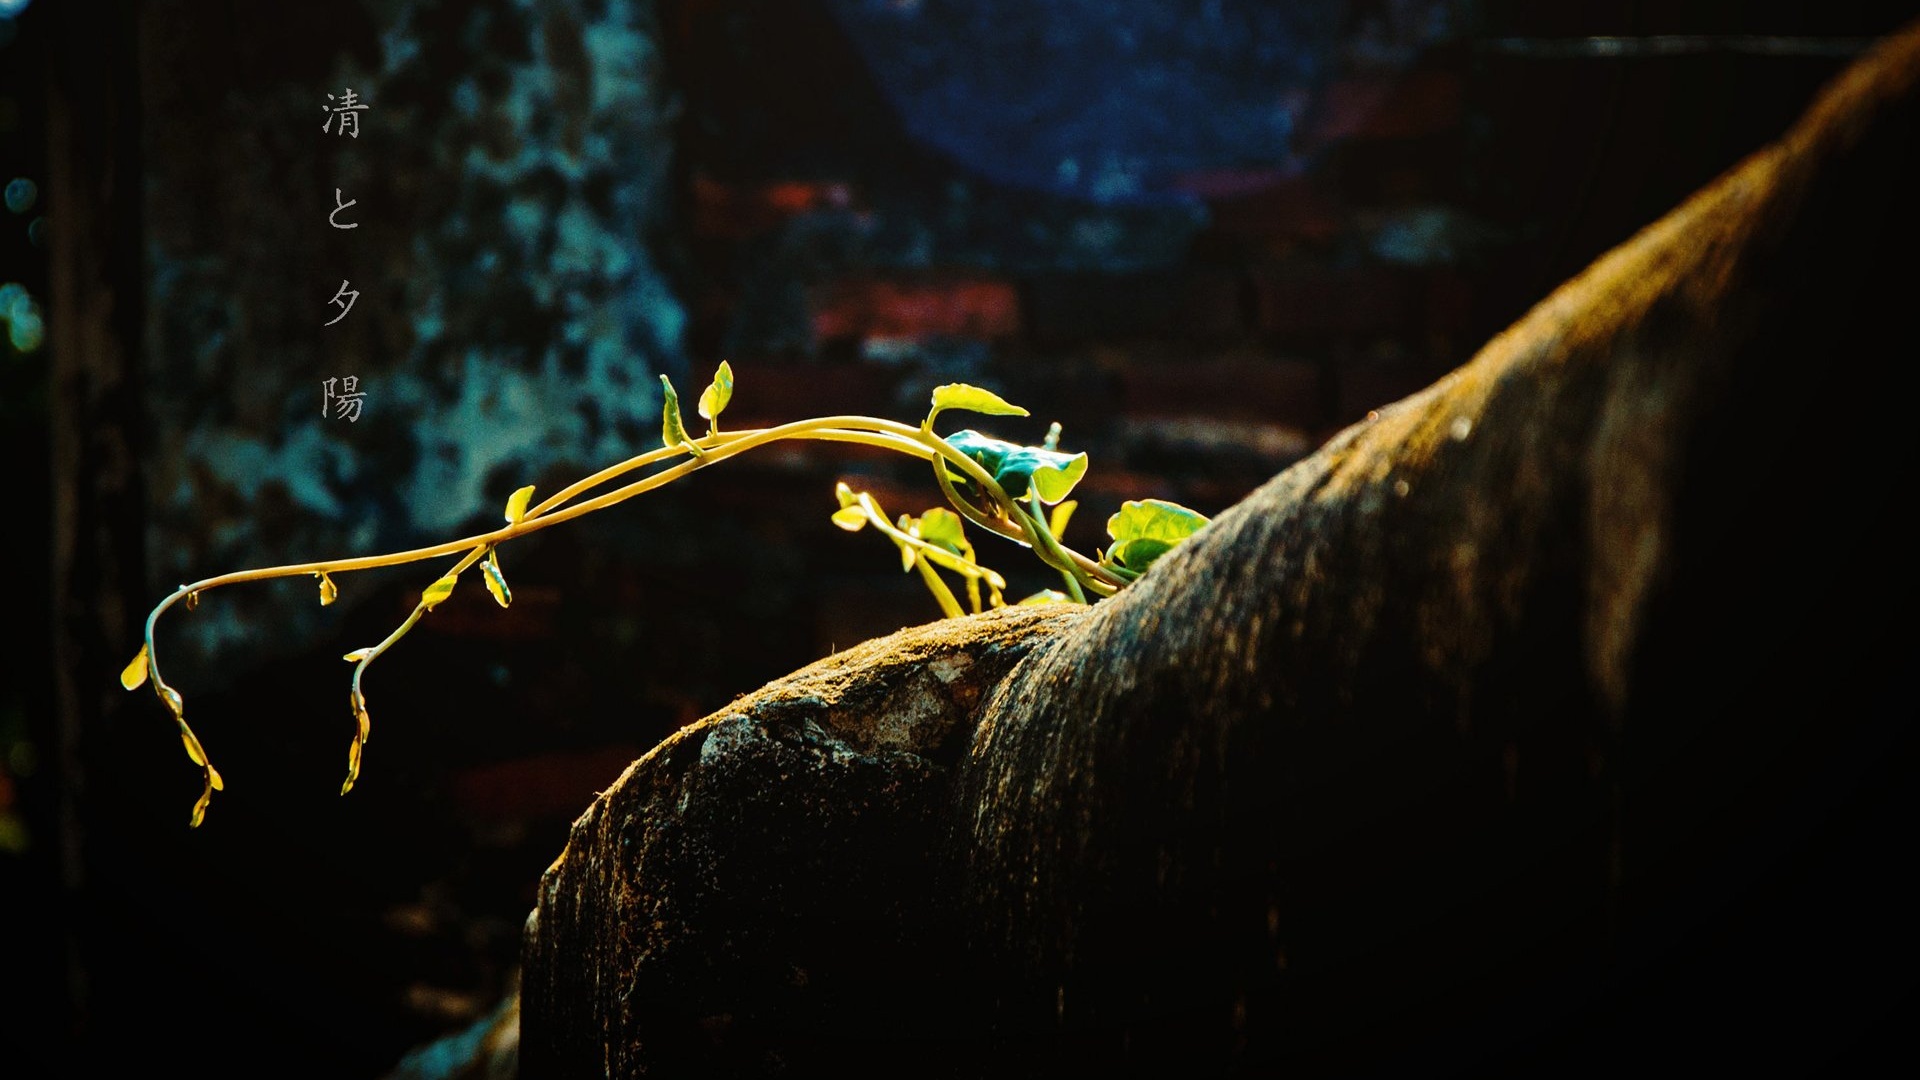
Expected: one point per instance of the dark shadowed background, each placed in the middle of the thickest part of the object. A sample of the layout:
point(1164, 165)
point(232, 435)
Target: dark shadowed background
point(1202, 235)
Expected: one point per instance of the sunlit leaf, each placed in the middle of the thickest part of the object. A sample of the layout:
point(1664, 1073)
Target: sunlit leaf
point(942, 528)
point(907, 556)
point(353, 766)
point(845, 494)
point(1052, 482)
point(1051, 474)
point(970, 399)
point(213, 777)
point(192, 744)
point(850, 518)
point(1137, 555)
point(134, 675)
point(715, 397)
point(517, 504)
point(1057, 522)
point(1046, 596)
point(496, 581)
point(358, 655)
point(439, 591)
point(1145, 530)
point(200, 808)
point(673, 432)
point(328, 591)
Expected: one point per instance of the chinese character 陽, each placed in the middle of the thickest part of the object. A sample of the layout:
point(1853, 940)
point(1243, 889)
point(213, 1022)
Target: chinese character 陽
point(348, 110)
point(347, 403)
point(346, 305)
point(339, 206)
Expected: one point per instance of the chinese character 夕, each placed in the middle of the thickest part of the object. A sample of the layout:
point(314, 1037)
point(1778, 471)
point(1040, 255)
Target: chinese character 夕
point(348, 110)
point(345, 305)
point(339, 206)
point(347, 402)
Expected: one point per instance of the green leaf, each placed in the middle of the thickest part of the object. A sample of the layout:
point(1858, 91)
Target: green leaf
point(845, 494)
point(1017, 469)
point(970, 399)
point(908, 556)
point(517, 504)
point(134, 675)
point(850, 518)
point(1154, 519)
point(943, 528)
point(672, 431)
point(496, 581)
point(715, 397)
point(1145, 530)
point(986, 452)
point(1137, 555)
point(328, 591)
point(438, 591)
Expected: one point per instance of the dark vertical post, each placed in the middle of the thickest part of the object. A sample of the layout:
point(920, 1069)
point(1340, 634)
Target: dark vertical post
point(95, 323)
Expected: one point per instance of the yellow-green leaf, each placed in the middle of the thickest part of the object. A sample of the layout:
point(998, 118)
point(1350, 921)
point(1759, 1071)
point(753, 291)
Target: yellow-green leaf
point(496, 582)
point(907, 556)
point(134, 675)
point(850, 518)
point(845, 494)
point(192, 744)
point(517, 504)
point(358, 655)
point(942, 528)
point(673, 432)
point(715, 397)
point(971, 399)
point(200, 808)
point(439, 591)
point(1046, 596)
point(172, 697)
point(1063, 513)
point(213, 778)
point(329, 592)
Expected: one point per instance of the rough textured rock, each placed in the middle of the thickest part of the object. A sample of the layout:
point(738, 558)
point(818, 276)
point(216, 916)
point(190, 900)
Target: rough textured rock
point(1544, 721)
point(743, 895)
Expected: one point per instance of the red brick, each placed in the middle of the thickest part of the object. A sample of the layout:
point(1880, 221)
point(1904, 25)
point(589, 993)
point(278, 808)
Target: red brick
point(1247, 388)
point(1371, 300)
point(1401, 106)
point(964, 307)
point(768, 392)
point(1194, 303)
point(1287, 207)
point(734, 211)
